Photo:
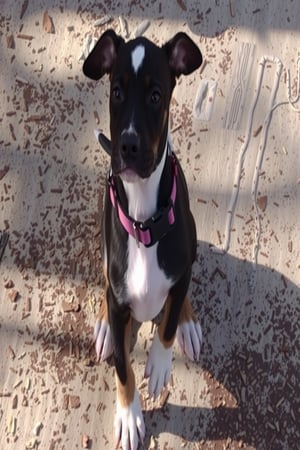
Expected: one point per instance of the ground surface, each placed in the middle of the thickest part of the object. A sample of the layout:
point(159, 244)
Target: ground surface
point(245, 392)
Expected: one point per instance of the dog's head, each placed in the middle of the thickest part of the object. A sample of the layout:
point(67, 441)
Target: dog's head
point(142, 77)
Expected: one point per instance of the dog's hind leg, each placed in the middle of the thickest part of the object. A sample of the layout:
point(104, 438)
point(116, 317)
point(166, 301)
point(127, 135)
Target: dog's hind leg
point(189, 334)
point(102, 333)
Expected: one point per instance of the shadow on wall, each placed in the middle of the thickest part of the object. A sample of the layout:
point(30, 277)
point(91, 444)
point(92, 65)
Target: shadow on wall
point(249, 358)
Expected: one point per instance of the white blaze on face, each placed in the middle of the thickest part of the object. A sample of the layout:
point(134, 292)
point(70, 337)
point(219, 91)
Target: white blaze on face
point(137, 57)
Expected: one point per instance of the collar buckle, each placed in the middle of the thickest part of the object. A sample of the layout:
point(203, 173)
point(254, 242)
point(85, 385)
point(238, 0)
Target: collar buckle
point(160, 223)
point(136, 233)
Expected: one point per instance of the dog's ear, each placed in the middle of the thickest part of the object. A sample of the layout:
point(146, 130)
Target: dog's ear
point(183, 54)
point(101, 59)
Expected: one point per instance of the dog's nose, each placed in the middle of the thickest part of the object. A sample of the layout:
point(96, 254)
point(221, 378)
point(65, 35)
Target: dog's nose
point(129, 145)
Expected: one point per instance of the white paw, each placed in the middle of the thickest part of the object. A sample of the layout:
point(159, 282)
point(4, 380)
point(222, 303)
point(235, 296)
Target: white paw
point(189, 336)
point(158, 367)
point(129, 424)
point(102, 339)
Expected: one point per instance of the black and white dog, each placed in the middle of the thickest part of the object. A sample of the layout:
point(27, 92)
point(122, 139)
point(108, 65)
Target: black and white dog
point(149, 234)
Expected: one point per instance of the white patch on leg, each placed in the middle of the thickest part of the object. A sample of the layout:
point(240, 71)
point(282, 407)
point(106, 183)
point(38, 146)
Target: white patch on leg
point(103, 340)
point(158, 366)
point(137, 57)
point(189, 336)
point(129, 424)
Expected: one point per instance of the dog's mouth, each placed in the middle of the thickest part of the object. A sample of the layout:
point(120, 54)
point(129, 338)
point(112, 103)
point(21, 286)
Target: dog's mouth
point(131, 172)
point(123, 170)
point(128, 175)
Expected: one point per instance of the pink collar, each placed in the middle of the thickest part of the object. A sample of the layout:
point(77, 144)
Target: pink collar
point(156, 227)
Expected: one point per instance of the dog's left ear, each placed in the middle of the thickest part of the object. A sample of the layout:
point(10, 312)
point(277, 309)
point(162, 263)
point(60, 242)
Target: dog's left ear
point(103, 55)
point(183, 54)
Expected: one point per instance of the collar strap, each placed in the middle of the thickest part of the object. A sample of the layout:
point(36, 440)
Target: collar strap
point(156, 227)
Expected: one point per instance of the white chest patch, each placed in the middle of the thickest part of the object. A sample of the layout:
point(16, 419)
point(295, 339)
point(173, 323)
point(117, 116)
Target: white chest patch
point(137, 57)
point(147, 285)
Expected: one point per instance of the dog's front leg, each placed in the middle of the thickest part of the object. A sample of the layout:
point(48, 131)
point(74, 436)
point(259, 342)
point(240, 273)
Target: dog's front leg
point(177, 316)
point(129, 421)
point(159, 363)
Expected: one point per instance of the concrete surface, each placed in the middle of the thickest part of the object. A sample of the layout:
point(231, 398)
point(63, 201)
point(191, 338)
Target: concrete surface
point(241, 160)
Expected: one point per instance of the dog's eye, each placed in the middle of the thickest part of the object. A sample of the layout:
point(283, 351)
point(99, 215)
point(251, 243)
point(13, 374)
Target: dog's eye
point(155, 97)
point(116, 92)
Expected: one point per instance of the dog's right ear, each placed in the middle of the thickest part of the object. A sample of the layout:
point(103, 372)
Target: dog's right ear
point(101, 59)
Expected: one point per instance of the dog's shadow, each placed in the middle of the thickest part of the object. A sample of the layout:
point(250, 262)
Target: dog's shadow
point(249, 360)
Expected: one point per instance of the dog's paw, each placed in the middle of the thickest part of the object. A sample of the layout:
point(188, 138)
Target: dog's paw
point(103, 340)
point(158, 367)
point(189, 336)
point(129, 425)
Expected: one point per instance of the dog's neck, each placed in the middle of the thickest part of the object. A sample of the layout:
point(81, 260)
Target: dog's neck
point(142, 194)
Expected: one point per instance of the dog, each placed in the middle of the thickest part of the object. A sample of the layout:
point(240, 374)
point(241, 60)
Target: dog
point(149, 234)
